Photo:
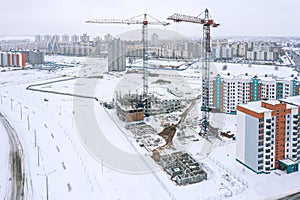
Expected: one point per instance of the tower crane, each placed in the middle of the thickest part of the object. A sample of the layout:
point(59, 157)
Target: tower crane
point(144, 22)
point(207, 22)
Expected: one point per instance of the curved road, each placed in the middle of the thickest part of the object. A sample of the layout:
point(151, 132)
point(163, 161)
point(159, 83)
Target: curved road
point(16, 162)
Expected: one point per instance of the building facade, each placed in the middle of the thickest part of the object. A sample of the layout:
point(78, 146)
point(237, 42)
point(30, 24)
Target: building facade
point(228, 91)
point(268, 135)
point(116, 55)
point(12, 59)
point(36, 57)
point(252, 51)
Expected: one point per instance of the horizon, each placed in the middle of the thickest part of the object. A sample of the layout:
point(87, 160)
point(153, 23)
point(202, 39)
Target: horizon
point(257, 18)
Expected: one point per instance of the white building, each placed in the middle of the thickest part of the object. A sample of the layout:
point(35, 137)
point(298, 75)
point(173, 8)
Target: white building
point(116, 55)
point(227, 91)
point(267, 135)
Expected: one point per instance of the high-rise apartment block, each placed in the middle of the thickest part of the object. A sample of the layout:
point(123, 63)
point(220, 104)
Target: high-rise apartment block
point(14, 59)
point(268, 135)
point(228, 91)
point(154, 39)
point(116, 55)
point(65, 38)
point(35, 57)
point(254, 51)
point(74, 38)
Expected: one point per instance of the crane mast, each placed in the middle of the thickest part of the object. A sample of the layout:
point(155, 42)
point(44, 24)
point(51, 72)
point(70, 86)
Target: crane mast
point(207, 23)
point(145, 24)
point(145, 55)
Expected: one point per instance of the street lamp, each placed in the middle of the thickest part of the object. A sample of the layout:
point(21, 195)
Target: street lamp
point(46, 175)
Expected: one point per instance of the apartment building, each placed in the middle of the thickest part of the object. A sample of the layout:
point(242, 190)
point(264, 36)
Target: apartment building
point(227, 91)
point(268, 135)
point(116, 55)
point(14, 59)
point(254, 51)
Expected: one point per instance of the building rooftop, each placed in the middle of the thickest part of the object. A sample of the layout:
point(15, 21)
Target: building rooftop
point(288, 161)
point(295, 100)
point(255, 107)
point(272, 102)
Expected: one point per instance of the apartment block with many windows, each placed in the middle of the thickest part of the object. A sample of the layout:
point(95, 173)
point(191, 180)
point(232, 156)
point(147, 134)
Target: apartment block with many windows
point(227, 91)
point(268, 135)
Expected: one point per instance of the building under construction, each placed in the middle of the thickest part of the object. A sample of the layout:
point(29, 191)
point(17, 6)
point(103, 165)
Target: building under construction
point(182, 168)
point(130, 107)
point(133, 107)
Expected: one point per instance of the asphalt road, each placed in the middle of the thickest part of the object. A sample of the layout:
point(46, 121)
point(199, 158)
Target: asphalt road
point(16, 162)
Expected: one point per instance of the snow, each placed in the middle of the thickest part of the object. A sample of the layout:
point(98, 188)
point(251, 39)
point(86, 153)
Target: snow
point(288, 161)
point(256, 107)
point(239, 69)
point(4, 163)
point(95, 157)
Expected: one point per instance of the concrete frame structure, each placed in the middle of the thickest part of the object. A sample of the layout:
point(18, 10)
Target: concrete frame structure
point(182, 168)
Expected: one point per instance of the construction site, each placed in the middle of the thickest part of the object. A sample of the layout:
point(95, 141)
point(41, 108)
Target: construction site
point(182, 168)
point(159, 112)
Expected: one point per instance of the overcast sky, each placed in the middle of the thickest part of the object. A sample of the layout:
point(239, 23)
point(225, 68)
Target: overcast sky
point(237, 17)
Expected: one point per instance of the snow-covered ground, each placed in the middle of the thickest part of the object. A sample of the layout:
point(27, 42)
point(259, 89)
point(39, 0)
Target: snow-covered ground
point(94, 157)
point(4, 164)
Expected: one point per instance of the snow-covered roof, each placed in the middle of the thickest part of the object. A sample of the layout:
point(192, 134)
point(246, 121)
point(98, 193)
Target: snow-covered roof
point(255, 107)
point(288, 161)
point(260, 70)
point(293, 100)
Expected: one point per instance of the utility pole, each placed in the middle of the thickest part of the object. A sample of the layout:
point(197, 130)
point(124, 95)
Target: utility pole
point(34, 138)
point(11, 104)
point(21, 112)
point(38, 155)
point(47, 182)
point(28, 123)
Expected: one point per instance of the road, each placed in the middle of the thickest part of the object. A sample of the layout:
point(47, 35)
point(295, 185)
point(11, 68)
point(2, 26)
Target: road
point(16, 162)
point(294, 196)
point(296, 59)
